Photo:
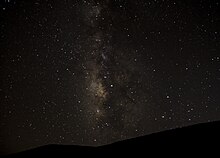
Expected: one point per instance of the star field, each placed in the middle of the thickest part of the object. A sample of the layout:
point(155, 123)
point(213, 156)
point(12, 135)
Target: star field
point(92, 72)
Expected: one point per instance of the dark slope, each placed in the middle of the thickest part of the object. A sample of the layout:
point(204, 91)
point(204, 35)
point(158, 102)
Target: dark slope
point(202, 138)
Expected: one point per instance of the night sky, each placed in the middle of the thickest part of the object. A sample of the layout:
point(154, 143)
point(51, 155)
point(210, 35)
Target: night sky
point(92, 72)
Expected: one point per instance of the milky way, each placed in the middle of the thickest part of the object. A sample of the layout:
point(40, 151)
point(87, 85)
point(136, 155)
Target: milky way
point(92, 72)
point(111, 79)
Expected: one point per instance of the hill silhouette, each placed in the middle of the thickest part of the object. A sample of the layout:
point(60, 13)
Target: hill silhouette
point(196, 138)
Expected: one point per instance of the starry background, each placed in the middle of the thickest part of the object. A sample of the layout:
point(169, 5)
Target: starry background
point(92, 72)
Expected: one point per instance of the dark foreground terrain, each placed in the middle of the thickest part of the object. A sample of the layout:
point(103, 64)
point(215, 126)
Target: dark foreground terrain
point(197, 139)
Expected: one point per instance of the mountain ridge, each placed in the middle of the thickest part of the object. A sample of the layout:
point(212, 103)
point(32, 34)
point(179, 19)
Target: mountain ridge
point(203, 136)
